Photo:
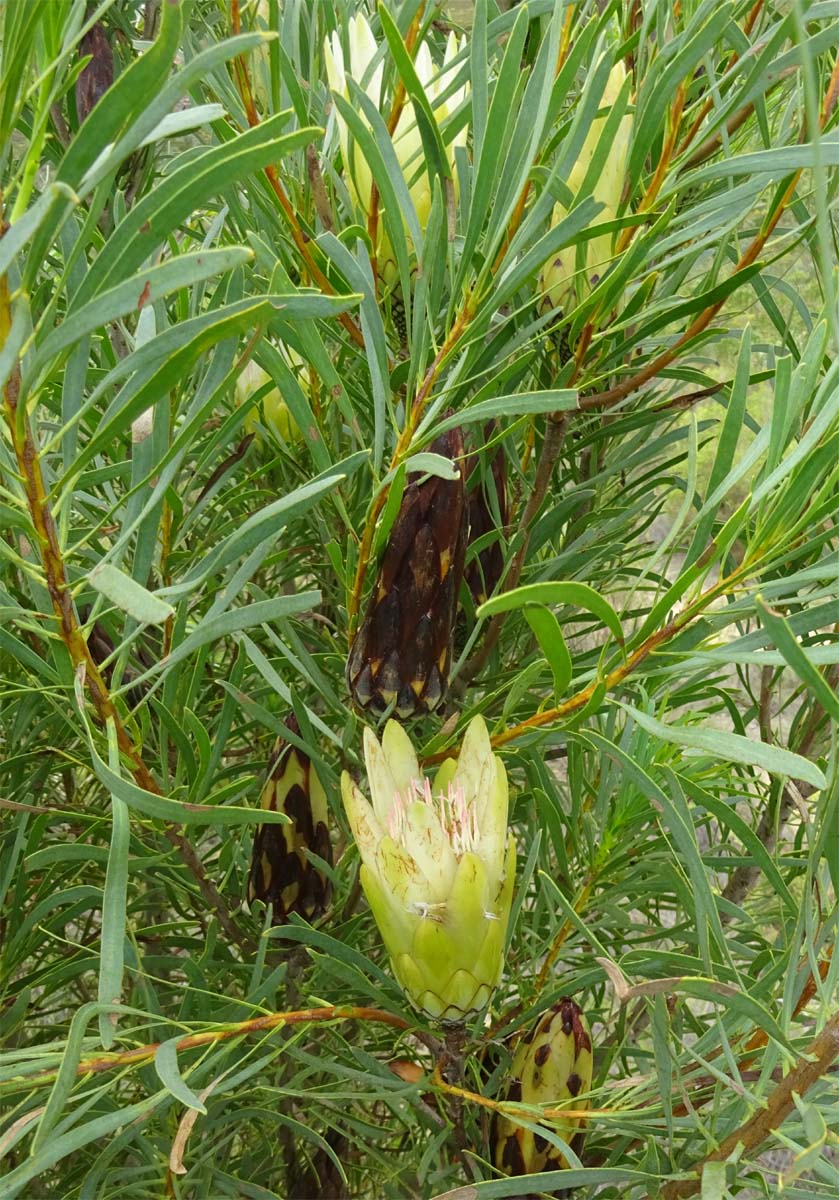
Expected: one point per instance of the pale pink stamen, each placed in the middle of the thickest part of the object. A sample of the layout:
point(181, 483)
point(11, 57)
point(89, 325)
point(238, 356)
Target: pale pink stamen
point(457, 817)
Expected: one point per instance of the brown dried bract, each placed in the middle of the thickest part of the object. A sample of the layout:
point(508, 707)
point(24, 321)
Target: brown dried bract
point(98, 75)
point(401, 655)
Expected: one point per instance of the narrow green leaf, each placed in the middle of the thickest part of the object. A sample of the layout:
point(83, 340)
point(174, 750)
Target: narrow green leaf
point(578, 594)
point(552, 644)
point(732, 747)
point(166, 1065)
point(144, 606)
point(138, 291)
point(114, 898)
point(559, 400)
point(795, 654)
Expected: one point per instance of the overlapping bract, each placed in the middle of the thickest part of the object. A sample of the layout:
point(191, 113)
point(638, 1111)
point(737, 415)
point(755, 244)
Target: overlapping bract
point(438, 867)
point(401, 654)
point(281, 872)
point(552, 1065)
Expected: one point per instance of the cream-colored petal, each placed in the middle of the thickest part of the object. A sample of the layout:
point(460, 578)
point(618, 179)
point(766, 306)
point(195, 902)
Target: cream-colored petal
point(444, 776)
point(382, 784)
point(396, 924)
point(407, 142)
point(250, 379)
point(401, 876)
point(475, 772)
point(365, 826)
point(492, 824)
point(424, 66)
point(400, 754)
point(333, 56)
point(363, 49)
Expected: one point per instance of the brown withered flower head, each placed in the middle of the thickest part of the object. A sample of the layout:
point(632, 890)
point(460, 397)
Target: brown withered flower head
point(484, 569)
point(98, 74)
point(401, 654)
point(281, 873)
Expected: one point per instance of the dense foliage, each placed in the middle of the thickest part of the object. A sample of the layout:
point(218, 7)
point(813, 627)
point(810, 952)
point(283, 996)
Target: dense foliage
point(597, 239)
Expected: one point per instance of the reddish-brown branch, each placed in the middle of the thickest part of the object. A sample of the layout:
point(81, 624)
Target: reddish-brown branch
point(549, 716)
point(708, 103)
point(52, 562)
point(299, 236)
point(264, 1024)
point(703, 320)
point(551, 446)
point(810, 1068)
point(399, 98)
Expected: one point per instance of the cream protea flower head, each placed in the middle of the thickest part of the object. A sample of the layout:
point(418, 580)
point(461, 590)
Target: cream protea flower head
point(558, 278)
point(363, 49)
point(273, 411)
point(438, 867)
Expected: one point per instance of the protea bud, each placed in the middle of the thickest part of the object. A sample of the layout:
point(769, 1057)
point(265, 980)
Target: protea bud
point(552, 1065)
point(407, 142)
point(272, 411)
point(560, 281)
point(438, 867)
point(282, 874)
point(487, 497)
point(401, 655)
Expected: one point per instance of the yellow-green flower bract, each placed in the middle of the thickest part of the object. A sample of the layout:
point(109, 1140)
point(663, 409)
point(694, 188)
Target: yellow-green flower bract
point(552, 1065)
point(273, 409)
point(407, 142)
point(438, 867)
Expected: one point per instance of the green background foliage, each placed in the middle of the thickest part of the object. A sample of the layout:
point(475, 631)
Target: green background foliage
point(662, 683)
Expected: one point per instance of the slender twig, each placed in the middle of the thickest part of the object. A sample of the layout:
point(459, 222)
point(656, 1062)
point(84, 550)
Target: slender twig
point(564, 930)
point(549, 716)
point(701, 322)
point(811, 1066)
point(668, 149)
point(424, 391)
point(52, 561)
point(140, 1055)
point(402, 446)
point(300, 238)
point(772, 821)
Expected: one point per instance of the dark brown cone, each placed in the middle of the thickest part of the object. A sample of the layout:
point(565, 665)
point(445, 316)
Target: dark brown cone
point(483, 572)
point(281, 874)
point(98, 75)
point(402, 652)
point(317, 1178)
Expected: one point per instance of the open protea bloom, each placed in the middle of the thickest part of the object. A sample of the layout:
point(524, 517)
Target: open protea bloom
point(406, 136)
point(438, 867)
point(559, 275)
point(552, 1065)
